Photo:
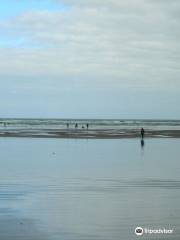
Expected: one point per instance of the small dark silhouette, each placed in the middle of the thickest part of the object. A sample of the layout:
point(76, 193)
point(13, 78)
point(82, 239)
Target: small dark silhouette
point(142, 133)
point(67, 125)
point(87, 125)
point(76, 125)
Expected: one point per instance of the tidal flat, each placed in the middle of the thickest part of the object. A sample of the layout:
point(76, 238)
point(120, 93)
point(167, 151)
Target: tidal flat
point(73, 189)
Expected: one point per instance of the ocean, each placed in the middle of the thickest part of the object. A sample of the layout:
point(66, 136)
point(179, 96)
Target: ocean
point(93, 123)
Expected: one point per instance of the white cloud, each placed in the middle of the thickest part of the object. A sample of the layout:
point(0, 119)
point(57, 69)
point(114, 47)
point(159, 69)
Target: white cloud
point(120, 40)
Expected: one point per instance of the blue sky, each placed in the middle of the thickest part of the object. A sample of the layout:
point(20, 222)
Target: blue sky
point(12, 8)
point(90, 59)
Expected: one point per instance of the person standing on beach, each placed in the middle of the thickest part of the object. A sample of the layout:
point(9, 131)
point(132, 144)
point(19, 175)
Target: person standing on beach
point(76, 125)
point(87, 125)
point(142, 133)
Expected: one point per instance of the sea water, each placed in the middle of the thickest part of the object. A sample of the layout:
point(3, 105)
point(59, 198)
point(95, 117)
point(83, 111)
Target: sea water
point(65, 189)
point(46, 124)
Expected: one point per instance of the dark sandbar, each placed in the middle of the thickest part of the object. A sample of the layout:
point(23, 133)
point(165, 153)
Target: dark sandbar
point(98, 133)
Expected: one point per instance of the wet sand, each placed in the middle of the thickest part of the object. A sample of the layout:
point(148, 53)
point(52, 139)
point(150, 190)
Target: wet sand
point(14, 228)
point(97, 134)
point(73, 189)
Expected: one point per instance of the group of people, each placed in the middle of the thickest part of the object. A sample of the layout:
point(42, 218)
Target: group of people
point(76, 126)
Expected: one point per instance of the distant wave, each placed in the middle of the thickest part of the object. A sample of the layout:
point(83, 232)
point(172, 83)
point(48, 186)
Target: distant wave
point(12, 124)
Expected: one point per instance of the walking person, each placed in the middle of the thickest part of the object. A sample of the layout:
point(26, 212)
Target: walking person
point(142, 133)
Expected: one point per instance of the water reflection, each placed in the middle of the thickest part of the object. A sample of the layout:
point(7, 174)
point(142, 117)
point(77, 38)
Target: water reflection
point(69, 187)
point(142, 143)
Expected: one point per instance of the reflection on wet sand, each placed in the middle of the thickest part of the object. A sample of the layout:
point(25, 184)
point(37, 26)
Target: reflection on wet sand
point(142, 143)
point(55, 189)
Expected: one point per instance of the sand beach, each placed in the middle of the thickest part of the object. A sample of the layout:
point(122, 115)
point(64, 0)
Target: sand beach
point(91, 189)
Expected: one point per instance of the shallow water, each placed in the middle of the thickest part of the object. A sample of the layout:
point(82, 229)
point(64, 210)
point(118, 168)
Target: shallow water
point(94, 124)
point(88, 189)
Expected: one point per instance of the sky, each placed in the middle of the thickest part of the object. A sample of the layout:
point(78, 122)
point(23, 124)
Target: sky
point(90, 59)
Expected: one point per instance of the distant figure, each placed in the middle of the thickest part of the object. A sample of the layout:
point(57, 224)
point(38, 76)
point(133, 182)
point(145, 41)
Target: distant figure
point(67, 125)
point(87, 125)
point(142, 133)
point(76, 125)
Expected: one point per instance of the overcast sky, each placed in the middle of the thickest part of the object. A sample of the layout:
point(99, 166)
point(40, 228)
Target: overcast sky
point(90, 58)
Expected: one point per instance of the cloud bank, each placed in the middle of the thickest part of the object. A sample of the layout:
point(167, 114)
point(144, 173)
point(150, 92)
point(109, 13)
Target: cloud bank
point(123, 40)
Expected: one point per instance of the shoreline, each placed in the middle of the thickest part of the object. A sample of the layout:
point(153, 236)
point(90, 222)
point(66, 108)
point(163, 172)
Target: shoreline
point(90, 134)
